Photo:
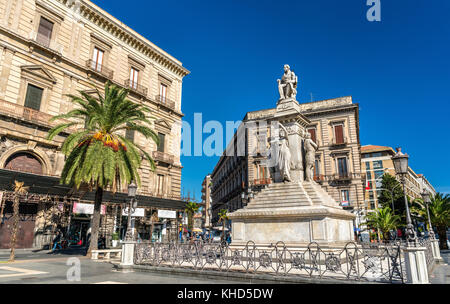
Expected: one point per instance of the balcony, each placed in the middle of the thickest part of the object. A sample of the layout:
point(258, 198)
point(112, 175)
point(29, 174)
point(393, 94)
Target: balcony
point(45, 43)
point(135, 87)
point(262, 181)
point(319, 178)
point(24, 113)
point(99, 69)
point(335, 142)
point(164, 101)
point(163, 157)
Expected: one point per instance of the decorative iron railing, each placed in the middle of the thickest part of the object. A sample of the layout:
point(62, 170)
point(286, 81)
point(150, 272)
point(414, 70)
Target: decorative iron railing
point(382, 263)
point(163, 100)
point(99, 68)
point(134, 86)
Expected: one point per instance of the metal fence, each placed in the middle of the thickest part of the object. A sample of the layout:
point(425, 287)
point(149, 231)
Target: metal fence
point(357, 262)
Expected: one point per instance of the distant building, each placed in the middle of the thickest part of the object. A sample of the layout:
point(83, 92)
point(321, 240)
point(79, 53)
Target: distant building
point(376, 161)
point(206, 200)
point(334, 126)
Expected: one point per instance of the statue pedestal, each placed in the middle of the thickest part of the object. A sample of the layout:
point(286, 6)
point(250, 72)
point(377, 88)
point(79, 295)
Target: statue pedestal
point(296, 213)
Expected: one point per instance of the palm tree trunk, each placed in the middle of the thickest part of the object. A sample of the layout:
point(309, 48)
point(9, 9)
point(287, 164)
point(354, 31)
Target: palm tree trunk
point(442, 232)
point(95, 221)
point(15, 228)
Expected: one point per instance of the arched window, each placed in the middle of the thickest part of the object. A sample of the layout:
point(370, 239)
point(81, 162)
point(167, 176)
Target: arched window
point(24, 162)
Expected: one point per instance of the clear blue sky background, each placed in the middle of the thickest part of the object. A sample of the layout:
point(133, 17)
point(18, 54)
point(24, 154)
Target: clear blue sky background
point(398, 70)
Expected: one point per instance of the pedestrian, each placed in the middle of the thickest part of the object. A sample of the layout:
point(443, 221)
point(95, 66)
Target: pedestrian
point(56, 241)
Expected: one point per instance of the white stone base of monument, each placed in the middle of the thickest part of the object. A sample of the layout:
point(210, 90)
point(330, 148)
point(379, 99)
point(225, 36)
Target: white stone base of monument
point(436, 251)
point(294, 213)
point(128, 253)
point(416, 265)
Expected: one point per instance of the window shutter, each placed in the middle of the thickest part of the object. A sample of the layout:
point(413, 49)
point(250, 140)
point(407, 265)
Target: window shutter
point(339, 134)
point(162, 138)
point(33, 97)
point(45, 31)
point(313, 134)
point(129, 134)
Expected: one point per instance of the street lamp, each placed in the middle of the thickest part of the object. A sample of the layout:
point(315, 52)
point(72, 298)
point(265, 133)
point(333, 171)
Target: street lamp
point(427, 201)
point(133, 204)
point(400, 161)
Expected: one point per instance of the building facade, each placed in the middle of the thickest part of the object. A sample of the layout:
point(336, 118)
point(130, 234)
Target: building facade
point(377, 161)
point(206, 201)
point(50, 48)
point(333, 125)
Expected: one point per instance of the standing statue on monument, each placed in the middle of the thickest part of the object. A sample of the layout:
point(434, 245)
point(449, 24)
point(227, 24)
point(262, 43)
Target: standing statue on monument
point(287, 85)
point(284, 155)
point(310, 157)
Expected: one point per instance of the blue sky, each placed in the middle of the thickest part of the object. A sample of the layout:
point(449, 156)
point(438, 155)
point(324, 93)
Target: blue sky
point(398, 70)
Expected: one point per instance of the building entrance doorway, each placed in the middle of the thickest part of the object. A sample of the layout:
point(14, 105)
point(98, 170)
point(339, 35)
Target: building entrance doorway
point(78, 232)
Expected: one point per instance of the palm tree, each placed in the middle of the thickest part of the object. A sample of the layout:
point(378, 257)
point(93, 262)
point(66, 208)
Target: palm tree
point(223, 217)
point(97, 153)
point(19, 190)
point(191, 208)
point(439, 208)
point(384, 220)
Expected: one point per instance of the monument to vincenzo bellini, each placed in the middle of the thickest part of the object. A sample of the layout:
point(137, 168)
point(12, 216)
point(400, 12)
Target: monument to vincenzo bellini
point(293, 209)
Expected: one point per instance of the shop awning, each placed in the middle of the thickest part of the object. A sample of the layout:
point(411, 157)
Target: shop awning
point(49, 185)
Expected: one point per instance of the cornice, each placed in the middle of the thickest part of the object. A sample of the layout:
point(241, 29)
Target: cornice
point(91, 13)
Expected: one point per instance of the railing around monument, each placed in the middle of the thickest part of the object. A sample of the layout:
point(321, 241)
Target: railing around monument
point(377, 263)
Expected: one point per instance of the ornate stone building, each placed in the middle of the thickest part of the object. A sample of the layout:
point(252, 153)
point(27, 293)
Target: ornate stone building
point(50, 48)
point(334, 127)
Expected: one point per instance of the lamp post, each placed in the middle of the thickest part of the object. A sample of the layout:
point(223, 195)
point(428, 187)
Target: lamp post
point(400, 161)
point(133, 204)
point(427, 201)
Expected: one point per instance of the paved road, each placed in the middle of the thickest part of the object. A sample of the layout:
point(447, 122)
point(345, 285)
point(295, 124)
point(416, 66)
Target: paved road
point(441, 273)
point(43, 268)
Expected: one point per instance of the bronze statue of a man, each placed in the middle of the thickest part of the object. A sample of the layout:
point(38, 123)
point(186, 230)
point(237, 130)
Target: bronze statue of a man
point(287, 85)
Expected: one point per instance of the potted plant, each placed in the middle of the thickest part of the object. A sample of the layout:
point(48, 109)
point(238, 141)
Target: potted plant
point(115, 239)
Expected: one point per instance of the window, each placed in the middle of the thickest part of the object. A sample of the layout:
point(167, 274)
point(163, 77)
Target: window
point(44, 32)
point(129, 134)
point(97, 59)
point(342, 166)
point(345, 197)
point(339, 134)
point(34, 97)
point(160, 184)
point(134, 74)
point(163, 92)
point(367, 166)
point(313, 134)
point(378, 164)
point(162, 138)
point(317, 167)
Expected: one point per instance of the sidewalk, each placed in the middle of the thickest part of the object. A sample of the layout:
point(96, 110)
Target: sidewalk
point(441, 273)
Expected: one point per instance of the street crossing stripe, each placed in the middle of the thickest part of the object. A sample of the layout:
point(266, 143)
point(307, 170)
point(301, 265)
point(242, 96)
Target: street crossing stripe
point(19, 272)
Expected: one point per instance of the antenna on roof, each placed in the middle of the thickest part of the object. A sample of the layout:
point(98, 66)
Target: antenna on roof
point(311, 96)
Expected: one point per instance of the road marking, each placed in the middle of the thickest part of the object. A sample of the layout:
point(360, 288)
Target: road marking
point(109, 282)
point(20, 272)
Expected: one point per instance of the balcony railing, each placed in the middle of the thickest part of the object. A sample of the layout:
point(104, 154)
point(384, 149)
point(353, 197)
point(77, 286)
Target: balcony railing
point(262, 181)
point(99, 69)
point(335, 142)
point(134, 86)
point(319, 178)
point(163, 100)
point(28, 114)
point(163, 157)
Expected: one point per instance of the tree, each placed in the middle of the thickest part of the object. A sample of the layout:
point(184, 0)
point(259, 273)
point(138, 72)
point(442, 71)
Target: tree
point(384, 220)
point(19, 190)
point(392, 189)
point(191, 208)
point(439, 208)
point(97, 153)
point(223, 217)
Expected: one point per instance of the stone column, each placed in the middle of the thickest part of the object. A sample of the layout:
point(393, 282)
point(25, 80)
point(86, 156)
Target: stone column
point(436, 251)
point(416, 265)
point(128, 253)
